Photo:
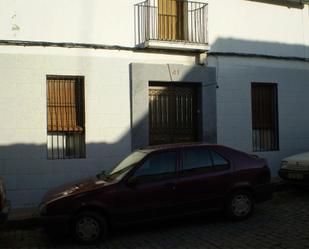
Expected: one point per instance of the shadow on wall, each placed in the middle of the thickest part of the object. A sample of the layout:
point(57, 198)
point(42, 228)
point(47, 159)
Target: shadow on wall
point(28, 174)
point(242, 62)
point(232, 45)
point(287, 3)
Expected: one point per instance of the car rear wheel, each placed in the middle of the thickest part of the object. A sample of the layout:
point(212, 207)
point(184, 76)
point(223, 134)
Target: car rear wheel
point(240, 205)
point(88, 227)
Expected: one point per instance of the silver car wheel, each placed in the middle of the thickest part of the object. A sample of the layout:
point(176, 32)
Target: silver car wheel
point(241, 205)
point(88, 229)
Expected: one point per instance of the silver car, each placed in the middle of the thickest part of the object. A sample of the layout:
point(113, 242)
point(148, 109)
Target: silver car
point(4, 204)
point(295, 168)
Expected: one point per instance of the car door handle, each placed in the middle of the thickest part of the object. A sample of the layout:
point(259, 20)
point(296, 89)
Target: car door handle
point(171, 186)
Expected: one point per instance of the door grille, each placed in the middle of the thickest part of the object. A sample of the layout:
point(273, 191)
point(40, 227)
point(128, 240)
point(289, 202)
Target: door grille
point(172, 114)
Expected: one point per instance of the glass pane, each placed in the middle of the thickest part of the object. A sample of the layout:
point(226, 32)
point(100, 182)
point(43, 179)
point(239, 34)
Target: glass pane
point(133, 158)
point(218, 160)
point(158, 166)
point(196, 159)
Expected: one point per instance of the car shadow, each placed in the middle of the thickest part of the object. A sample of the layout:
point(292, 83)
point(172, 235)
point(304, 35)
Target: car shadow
point(127, 232)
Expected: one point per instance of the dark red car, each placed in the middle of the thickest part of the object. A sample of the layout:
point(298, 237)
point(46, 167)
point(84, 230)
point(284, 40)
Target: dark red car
point(156, 182)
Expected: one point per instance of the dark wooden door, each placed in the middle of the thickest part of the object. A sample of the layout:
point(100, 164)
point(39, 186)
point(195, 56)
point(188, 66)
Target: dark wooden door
point(172, 114)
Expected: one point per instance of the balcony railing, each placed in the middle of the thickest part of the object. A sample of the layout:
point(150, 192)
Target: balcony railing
point(176, 21)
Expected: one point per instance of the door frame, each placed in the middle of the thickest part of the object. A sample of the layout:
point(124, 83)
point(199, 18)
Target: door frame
point(143, 73)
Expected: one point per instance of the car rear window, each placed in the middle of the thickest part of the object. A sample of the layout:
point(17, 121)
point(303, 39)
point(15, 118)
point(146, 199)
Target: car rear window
point(198, 160)
point(218, 161)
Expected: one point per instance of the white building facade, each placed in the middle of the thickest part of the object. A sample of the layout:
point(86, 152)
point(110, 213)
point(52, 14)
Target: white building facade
point(83, 83)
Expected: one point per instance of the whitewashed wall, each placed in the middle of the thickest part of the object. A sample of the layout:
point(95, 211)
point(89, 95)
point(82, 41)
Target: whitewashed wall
point(23, 150)
point(255, 27)
point(234, 77)
point(234, 25)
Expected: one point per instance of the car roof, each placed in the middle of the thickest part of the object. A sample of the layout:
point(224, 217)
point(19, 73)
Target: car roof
point(160, 147)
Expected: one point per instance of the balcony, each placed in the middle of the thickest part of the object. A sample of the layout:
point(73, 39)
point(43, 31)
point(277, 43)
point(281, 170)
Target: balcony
point(171, 24)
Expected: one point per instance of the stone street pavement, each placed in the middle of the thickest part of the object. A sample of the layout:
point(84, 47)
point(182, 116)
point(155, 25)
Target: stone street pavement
point(280, 223)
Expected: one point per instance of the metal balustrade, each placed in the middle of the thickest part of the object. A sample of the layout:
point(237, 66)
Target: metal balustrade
point(172, 21)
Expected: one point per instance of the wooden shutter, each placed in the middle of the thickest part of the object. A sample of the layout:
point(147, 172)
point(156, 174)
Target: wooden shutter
point(64, 105)
point(264, 117)
point(171, 24)
point(264, 107)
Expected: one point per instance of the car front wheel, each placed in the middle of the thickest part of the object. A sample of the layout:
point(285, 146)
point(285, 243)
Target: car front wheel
point(88, 227)
point(239, 205)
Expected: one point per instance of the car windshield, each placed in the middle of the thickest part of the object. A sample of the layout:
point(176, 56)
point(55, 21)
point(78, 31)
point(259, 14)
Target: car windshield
point(124, 166)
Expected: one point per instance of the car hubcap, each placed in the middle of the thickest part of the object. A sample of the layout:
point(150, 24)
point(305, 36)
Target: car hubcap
point(88, 229)
point(241, 205)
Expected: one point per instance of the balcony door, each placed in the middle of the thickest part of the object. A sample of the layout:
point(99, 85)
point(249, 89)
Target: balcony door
point(171, 19)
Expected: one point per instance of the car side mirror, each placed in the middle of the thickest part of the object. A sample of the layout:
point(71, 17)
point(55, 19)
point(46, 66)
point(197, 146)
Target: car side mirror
point(133, 181)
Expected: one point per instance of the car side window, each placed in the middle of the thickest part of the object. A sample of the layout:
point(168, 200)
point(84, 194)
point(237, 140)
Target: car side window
point(219, 162)
point(196, 161)
point(157, 167)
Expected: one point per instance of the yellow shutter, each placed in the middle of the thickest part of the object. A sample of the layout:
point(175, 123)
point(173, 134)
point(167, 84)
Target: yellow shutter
point(171, 24)
point(62, 113)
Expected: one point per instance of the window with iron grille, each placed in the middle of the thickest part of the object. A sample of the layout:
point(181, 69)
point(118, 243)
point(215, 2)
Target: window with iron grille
point(264, 117)
point(65, 117)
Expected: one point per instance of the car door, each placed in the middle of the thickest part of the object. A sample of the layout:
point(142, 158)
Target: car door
point(204, 179)
point(149, 190)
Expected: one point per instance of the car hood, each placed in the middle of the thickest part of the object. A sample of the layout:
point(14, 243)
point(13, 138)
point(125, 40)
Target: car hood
point(302, 157)
point(76, 187)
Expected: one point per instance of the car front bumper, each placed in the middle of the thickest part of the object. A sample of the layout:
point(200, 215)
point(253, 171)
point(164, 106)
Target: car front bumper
point(5, 212)
point(295, 176)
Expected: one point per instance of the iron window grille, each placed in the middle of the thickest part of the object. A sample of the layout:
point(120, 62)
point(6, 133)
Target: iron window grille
point(264, 117)
point(65, 117)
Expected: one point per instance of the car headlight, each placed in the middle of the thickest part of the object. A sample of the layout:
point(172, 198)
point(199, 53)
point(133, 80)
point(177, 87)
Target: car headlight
point(284, 164)
point(69, 191)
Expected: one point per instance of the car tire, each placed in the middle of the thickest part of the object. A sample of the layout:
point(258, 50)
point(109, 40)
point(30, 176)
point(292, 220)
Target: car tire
point(89, 227)
point(239, 205)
